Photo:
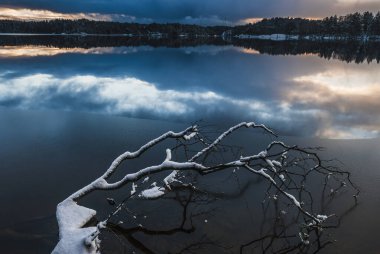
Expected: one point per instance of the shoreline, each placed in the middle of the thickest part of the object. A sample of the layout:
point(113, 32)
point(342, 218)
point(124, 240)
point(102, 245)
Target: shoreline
point(290, 37)
point(270, 37)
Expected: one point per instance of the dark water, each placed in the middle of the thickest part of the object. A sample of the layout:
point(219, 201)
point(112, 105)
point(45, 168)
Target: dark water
point(66, 113)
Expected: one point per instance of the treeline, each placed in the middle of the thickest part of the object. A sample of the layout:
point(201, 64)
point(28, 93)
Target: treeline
point(103, 27)
point(351, 25)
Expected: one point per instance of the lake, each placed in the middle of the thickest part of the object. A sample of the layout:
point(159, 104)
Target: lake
point(67, 111)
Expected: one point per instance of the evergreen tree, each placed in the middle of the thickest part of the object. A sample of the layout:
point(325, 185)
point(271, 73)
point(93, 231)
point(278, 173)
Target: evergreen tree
point(367, 23)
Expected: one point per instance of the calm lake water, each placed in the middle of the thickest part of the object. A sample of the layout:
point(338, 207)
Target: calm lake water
point(65, 113)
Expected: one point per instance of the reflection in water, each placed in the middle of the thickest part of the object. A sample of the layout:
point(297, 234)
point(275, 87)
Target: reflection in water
point(347, 51)
point(75, 147)
point(190, 215)
point(302, 95)
point(105, 95)
point(249, 51)
point(33, 51)
point(343, 50)
point(195, 223)
point(350, 94)
point(90, 41)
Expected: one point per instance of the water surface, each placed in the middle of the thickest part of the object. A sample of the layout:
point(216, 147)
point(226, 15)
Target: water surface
point(296, 95)
point(67, 112)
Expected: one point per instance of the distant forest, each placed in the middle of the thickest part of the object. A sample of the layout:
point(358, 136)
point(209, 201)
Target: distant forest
point(350, 26)
point(83, 26)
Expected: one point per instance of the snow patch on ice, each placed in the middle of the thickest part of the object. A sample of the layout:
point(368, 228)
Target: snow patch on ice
point(152, 193)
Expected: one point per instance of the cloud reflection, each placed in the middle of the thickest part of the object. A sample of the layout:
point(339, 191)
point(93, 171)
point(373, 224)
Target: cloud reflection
point(348, 96)
point(118, 95)
point(302, 96)
point(121, 96)
point(33, 51)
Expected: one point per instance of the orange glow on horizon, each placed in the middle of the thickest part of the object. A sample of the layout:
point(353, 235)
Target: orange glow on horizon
point(251, 20)
point(7, 13)
point(256, 20)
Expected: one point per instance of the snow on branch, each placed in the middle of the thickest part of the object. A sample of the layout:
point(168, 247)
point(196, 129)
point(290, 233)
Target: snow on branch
point(278, 165)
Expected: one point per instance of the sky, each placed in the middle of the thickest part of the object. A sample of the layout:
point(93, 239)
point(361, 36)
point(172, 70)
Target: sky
point(202, 12)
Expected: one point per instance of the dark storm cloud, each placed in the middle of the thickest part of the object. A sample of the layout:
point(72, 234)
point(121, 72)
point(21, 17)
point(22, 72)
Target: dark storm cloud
point(218, 10)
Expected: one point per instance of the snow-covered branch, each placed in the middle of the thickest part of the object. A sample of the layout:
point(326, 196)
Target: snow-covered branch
point(279, 165)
